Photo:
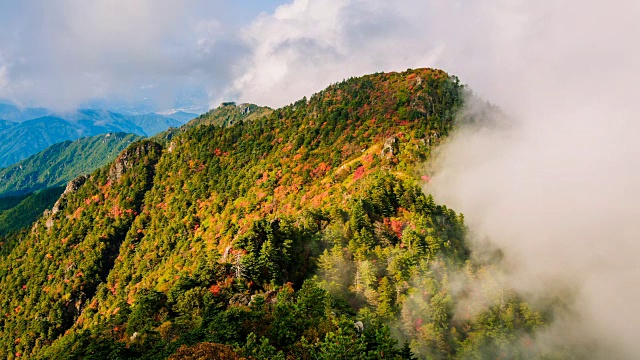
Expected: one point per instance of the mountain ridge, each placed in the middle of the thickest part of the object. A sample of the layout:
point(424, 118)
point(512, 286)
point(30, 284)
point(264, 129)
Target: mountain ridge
point(303, 232)
point(61, 162)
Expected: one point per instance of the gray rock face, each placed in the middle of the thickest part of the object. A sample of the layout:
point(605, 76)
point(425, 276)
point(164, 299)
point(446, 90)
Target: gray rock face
point(239, 300)
point(49, 223)
point(390, 147)
point(74, 185)
point(118, 168)
point(126, 160)
point(71, 188)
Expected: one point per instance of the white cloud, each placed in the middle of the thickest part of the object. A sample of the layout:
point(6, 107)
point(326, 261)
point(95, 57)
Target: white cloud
point(69, 51)
point(305, 45)
point(558, 189)
point(3, 77)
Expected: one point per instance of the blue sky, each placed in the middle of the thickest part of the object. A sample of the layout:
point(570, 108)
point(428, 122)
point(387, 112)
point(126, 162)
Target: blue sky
point(247, 10)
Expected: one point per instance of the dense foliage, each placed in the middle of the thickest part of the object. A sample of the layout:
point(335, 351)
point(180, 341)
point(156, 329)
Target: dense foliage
point(229, 113)
point(9, 202)
point(28, 210)
point(62, 162)
point(57, 266)
point(226, 114)
point(303, 233)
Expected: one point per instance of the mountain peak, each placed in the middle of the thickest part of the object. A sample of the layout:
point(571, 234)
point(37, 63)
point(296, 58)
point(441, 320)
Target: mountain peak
point(229, 113)
point(256, 222)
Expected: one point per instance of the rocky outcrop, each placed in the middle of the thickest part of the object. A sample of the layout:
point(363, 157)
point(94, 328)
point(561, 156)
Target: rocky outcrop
point(172, 145)
point(390, 147)
point(245, 109)
point(72, 187)
point(129, 157)
point(239, 300)
point(124, 162)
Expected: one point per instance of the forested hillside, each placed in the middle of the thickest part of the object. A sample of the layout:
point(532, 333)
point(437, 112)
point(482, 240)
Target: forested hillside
point(28, 209)
point(18, 141)
point(297, 233)
point(229, 113)
point(226, 114)
point(62, 162)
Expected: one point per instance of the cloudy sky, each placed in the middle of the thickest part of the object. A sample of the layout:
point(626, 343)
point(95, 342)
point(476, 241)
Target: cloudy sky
point(63, 53)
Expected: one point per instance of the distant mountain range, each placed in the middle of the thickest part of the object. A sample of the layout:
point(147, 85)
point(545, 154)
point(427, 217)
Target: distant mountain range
point(24, 132)
point(17, 212)
point(62, 162)
point(31, 185)
point(34, 184)
point(16, 114)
